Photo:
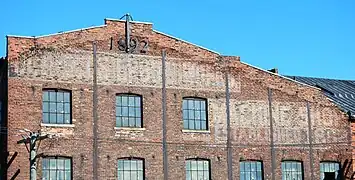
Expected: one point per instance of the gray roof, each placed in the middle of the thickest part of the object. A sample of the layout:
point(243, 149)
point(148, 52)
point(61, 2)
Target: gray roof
point(342, 92)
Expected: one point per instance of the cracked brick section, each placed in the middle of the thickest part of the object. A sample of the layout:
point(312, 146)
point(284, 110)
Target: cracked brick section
point(65, 61)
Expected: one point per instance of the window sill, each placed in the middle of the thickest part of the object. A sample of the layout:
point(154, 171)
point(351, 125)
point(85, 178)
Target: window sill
point(129, 128)
point(58, 125)
point(196, 131)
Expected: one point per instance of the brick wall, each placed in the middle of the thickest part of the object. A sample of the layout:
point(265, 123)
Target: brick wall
point(65, 61)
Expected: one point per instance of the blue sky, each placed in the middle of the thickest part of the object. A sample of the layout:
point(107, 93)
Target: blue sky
point(300, 37)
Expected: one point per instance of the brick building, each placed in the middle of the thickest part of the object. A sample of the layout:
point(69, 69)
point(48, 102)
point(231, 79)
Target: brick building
point(107, 117)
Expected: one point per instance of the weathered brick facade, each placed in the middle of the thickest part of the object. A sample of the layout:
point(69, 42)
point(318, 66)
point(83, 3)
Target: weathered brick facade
point(65, 61)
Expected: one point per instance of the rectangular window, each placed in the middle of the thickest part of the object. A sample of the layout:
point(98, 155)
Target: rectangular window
point(56, 107)
point(251, 170)
point(195, 113)
point(129, 111)
point(329, 167)
point(292, 170)
point(130, 169)
point(56, 168)
point(197, 169)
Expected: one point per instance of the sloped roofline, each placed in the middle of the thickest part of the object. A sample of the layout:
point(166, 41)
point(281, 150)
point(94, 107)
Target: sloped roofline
point(112, 19)
point(185, 41)
point(281, 76)
point(59, 33)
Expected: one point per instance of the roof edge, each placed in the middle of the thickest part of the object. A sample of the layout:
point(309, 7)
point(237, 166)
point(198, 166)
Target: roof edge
point(159, 32)
point(59, 33)
point(281, 76)
point(120, 20)
point(19, 36)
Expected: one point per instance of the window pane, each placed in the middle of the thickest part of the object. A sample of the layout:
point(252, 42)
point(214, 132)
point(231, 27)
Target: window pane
point(133, 175)
point(191, 124)
point(197, 105)
point(67, 108)
point(127, 165)
point(200, 165)
point(126, 175)
point(185, 114)
point(119, 100)
point(45, 118)
point(137, 101)
point(200, 175)
point(188, 175)
point(120, 175)
point(60, 97)
point(186, 124)
point(184, 104)
point(138, 122)
point(118, 111)
point(52, 118)
point(197, 115)
point(140, 175)
point(131, 101)
point(60, 118)
point(52, 96)
point(124, 101)
point(60, 175)
point(197, 125)
point(190, 104)
point(203, 105)
point(67, 164)
point(205, 165)
point(60, 164)
point(138, 112)
point(60, 107)
point(52, 107)
point(52, 175)
point(45, 107)
point(52, 164)
point(67, 97)
point(125, 122)
point(206, 175)
point(140, 165)
point(45, 175)
point(191, 114)
point(118, 121)
point(120, 164)
point(203, 115)
point(194, 175)
point(45, 96)
point(203, 125)
point(67, 175)
point(125, 111)
point(193, 165)
point(131, 112)
point(45, 164)
point(67, 118)
point(132, 122)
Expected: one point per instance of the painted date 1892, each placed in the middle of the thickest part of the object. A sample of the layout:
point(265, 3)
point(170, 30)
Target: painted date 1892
point(135, 46)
